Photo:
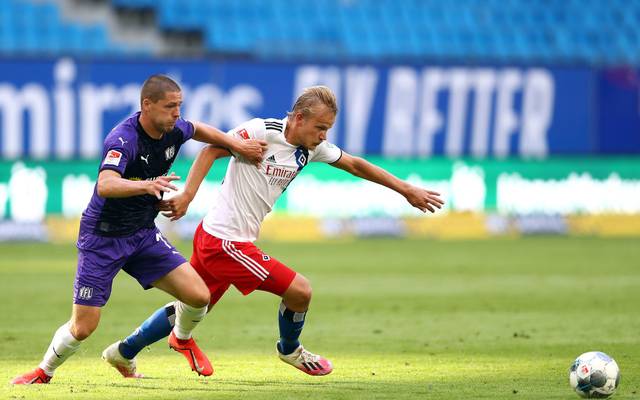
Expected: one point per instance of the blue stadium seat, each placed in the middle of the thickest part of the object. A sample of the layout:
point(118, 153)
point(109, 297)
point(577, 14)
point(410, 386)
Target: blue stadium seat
point(134, 3)
point(36, 27)
point(496, 30)
point(597, 32)
point(96, 40)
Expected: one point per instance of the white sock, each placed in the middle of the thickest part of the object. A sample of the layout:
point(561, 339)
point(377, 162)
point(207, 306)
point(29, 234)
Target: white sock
point(187, 319)
point(62, 346)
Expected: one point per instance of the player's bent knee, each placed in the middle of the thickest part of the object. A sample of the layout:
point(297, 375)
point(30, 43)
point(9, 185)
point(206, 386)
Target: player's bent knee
point(299, 293)
point(305, 287)
point(83, 330)
point(84, 320)
point(305, 295)
point(197, 302)
point(199, 297)
point(203, 300)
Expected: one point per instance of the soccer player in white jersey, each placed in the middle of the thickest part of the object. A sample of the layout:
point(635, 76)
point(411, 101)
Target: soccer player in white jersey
point(223, 249)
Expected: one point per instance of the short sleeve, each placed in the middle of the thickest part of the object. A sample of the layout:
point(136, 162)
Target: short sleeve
point(326, 152)
point(186, 127)
point(117, 151)
point(252, 129)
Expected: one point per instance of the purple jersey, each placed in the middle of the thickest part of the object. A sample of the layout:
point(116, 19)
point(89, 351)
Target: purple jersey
point(130, 151)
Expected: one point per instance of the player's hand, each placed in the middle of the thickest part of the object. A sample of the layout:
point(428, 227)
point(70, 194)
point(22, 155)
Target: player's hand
point(161, 184)
point(424, 200)
point(175, 207)
point(252, 150)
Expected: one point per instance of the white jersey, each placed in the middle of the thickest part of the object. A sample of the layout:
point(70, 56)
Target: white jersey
point(248, 193)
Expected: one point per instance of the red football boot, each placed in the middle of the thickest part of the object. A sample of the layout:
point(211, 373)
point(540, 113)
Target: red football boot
point(197, 359)
point(37, 376)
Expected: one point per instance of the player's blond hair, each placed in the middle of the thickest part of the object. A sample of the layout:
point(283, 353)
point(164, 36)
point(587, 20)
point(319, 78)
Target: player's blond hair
point(312, 96)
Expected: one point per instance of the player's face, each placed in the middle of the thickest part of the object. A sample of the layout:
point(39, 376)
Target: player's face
point(165, 112)
point(312, 130)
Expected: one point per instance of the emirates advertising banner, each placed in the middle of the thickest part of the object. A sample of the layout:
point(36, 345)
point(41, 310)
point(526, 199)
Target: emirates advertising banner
point(63, 108)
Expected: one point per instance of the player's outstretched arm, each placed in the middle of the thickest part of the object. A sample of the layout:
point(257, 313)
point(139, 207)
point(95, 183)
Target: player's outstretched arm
point(112, 184)
point(176, 207)
point(251, 150)
point(422, 199)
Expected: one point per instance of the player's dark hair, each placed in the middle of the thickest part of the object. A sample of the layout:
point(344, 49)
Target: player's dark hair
point(155, 87)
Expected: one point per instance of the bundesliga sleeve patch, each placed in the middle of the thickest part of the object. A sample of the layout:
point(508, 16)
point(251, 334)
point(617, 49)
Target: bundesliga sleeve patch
point(113, 158)
point(243, 134)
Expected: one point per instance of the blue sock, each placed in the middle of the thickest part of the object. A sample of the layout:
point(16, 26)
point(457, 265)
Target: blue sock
point(291, 324)
point(156, 327)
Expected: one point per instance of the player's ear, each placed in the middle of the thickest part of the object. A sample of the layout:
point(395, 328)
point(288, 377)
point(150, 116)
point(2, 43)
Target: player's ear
point(145, 103)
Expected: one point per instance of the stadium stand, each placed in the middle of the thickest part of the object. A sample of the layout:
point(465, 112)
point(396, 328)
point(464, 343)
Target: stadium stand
point(37, 28)
point(592, 32)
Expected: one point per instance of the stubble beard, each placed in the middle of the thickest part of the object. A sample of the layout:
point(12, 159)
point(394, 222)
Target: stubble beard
point(164, 128)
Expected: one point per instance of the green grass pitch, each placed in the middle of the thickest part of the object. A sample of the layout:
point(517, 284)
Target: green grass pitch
point(400, 319)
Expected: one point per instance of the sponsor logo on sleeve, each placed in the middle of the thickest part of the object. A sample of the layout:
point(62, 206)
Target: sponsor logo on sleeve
point(113, 158)
point(243, 134)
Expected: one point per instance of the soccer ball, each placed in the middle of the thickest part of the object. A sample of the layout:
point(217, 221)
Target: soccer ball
point(594, 375)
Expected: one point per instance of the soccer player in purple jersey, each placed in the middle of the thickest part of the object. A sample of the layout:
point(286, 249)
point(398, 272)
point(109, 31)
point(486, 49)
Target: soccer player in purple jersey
point(117, 229)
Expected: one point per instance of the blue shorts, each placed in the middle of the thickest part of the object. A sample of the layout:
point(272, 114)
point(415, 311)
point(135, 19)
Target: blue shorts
point(146, 255)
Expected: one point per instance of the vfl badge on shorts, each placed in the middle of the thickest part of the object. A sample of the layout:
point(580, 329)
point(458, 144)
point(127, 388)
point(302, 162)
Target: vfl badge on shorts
point(85, 293)
point(113, 158)
point(266, 257)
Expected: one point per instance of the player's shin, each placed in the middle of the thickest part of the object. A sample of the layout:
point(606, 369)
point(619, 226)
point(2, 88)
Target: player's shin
point(291, 324)
point(62, 346)
point(187, 318)
point(154, 328)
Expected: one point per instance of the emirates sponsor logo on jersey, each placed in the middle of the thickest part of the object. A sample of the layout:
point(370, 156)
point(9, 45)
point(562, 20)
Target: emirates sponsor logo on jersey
point(279, 172)
point(279, 176)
